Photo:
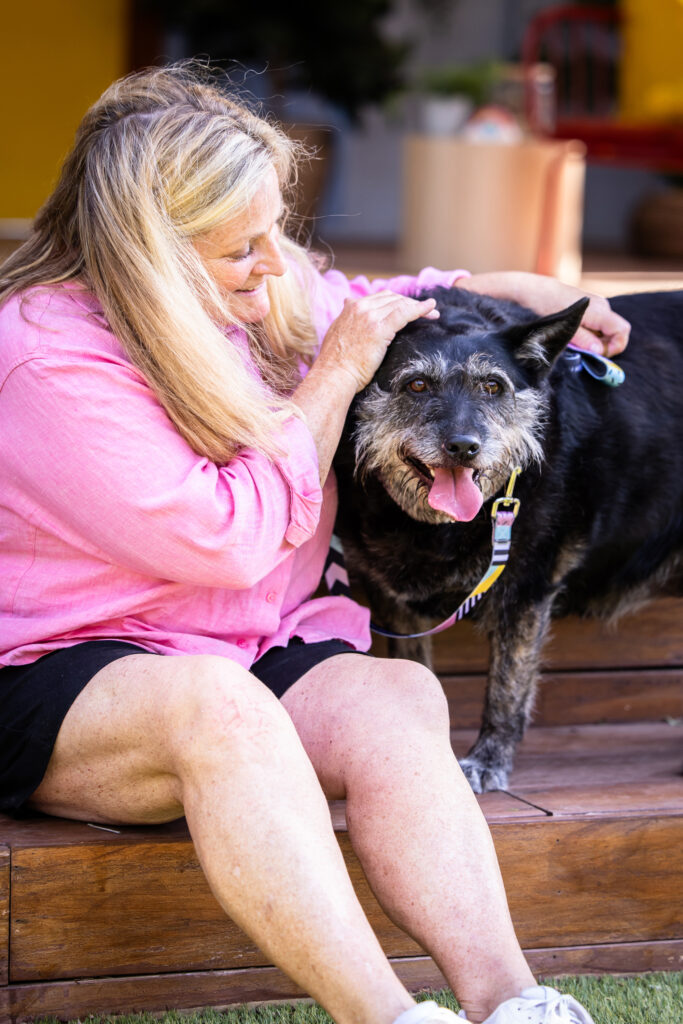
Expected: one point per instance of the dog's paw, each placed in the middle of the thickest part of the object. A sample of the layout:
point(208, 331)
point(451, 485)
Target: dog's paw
point(484, 777)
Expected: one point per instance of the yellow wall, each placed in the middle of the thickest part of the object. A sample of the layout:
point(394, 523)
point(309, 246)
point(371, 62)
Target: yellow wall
point(652, 65)
point(56, 57)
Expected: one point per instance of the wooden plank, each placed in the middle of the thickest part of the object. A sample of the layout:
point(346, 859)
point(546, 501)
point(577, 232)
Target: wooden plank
point(4, 932)
point(608, 958)
point(137, 908)
point(621, 770)
point(73, 1000)
point(4, 913)
point(624, 799)
point(580, 698)
point(41, 831)
point(598, 756)
point(651, 637)
point(143, 909)
point(597, 881)
point(621, 696)
point(220, 990)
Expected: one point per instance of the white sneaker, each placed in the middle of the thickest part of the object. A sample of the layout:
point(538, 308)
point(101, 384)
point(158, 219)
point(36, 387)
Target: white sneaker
point(427, 1012)
point(539, 1005)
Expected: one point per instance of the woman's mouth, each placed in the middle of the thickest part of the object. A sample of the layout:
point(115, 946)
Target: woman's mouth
point(251, 291)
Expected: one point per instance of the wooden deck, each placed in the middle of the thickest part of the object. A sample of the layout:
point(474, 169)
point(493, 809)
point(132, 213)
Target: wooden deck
point(589, 836)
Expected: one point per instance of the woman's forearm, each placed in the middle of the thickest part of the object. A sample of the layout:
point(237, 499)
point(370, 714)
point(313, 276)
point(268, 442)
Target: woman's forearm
point(324, 397)
point(602, 330)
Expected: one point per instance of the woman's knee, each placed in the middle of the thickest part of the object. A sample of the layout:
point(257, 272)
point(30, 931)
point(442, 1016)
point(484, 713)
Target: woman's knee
point(378, 699)
point(219, 710)
point(410, 693)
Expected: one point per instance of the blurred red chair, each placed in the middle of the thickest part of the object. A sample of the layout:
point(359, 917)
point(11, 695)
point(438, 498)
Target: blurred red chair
point(583, 46)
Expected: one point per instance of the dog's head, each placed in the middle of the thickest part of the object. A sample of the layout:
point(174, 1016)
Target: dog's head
point(458, 403)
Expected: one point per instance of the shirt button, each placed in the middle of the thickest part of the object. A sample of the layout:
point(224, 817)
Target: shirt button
point(271, 596)
point(241, 642)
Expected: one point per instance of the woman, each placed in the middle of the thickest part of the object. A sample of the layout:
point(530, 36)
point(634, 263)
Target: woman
point(175, 375)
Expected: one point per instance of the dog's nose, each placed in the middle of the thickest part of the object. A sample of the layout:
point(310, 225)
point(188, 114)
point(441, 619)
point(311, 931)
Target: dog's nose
point(463, 445)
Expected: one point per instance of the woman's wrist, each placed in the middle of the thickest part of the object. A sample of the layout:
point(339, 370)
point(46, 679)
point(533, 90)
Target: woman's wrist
point(329, 375)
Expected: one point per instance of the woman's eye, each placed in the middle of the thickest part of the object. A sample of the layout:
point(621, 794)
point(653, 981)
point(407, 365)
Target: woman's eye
point(492, 387)
point(242, 255)
point(418, 385)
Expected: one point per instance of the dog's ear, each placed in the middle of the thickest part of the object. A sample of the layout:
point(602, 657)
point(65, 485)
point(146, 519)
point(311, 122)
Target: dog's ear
point(538, 343)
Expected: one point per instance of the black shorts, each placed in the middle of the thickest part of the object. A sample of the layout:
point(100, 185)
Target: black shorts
point(35, 698)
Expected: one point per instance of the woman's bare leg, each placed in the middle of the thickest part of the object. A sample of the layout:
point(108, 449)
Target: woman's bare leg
point(377, 733)
point(151, 738)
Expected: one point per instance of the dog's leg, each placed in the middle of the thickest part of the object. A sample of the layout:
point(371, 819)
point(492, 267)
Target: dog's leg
point(515, 645)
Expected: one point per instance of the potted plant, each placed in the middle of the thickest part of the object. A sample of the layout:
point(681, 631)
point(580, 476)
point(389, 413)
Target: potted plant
point(450, 93)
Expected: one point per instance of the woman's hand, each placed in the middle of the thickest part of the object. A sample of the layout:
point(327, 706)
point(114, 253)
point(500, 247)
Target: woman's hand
point(357, 340)
point(352, 349)
point(602, 330)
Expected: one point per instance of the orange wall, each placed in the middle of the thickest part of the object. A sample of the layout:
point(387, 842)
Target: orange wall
point(56, 57)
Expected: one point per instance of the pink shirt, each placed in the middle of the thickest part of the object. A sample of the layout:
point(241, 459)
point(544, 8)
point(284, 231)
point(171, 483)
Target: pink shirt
point(111, 526)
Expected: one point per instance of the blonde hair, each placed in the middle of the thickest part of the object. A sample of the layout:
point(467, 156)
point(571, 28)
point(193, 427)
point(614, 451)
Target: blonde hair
point(163, 156)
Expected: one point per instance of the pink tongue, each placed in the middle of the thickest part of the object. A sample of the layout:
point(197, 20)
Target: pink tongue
point(455, 493)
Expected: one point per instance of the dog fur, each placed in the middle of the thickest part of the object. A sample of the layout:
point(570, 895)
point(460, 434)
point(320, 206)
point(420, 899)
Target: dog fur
point(483, 389)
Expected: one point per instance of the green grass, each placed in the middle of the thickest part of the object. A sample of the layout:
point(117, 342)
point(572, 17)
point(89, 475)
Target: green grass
point(638, 999)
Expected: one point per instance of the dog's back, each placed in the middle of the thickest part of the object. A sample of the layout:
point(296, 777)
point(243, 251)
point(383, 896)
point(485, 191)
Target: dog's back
point(612, 478)
point(624, 465)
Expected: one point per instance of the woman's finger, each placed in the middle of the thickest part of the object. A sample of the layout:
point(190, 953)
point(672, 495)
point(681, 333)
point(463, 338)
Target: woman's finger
point(602, 330)
point(401, 313)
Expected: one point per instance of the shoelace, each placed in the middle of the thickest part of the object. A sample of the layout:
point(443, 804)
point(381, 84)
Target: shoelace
point(559, 1007)
point(543, 1005)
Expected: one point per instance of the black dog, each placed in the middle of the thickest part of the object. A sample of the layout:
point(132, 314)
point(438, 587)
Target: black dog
point(455, 406)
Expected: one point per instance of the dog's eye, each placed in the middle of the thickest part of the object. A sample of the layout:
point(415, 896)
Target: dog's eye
point(492, 386)
point(418, 385)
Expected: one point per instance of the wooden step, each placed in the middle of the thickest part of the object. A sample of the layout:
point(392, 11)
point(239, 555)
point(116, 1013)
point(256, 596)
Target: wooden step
point(651, 638)
point(580, 698)
point(593, 671)
point(589, 837)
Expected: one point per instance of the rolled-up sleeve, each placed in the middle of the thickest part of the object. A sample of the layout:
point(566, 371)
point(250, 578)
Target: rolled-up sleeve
point(406, 284)
point(92, 457)
point(300, 468)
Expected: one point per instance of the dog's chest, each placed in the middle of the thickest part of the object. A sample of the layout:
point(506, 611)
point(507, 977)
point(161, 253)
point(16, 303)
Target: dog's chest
point(423, 566)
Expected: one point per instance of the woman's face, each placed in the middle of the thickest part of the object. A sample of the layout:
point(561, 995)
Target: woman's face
point(242, 254)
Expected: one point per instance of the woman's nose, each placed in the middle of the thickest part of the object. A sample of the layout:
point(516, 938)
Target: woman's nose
point(272, 260)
